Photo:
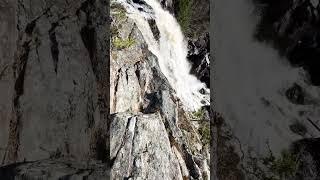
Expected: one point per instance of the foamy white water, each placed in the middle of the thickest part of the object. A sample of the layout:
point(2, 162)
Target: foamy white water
point(171, 51)
point(251, 80)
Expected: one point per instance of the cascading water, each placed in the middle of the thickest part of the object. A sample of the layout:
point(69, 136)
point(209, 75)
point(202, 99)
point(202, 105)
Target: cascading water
point(251, 80)
point(171, 51)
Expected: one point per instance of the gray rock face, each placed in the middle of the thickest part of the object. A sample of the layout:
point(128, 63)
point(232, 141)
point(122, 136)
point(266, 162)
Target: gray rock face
point(54, 80)
point(199, 56)
point(141, 149)
point(309, 161)
point(54, 105)
point(8, 35)
point(151, 136)
point(55, 169)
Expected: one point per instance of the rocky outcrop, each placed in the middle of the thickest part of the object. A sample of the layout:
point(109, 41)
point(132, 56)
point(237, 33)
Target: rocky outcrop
point(309, 160)
point(226, 151)
point(54, 82)
point(168, 4)
point(55, 169)
point(54, 108)
point(141, 148)
point(199, 56)
point(152, 136)
point(293, 28)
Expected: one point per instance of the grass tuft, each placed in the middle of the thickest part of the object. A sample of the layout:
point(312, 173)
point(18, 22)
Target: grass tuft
point(283, 167)
point(123, 43)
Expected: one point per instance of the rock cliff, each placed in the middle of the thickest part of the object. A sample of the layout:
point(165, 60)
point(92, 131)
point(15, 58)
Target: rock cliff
point(54, 88)
point(66, 86)
point(152, 136)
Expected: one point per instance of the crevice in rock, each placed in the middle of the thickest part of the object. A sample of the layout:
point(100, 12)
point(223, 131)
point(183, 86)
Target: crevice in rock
point(54, 46)
point(101, 147)
point(20, 72)
point(116, 90)
point(314, 124)
point(123, 142)
point(19, 69)
point(182, 148)
point(88, 36)
point(30, 27)
point(90, 111)
point(137, 72)
point(141, 79)
point(127, 76)
point(131, 168)
point(2, 72)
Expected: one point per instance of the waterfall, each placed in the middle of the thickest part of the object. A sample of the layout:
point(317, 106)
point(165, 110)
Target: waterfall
point(171, 51)
point(251, 80)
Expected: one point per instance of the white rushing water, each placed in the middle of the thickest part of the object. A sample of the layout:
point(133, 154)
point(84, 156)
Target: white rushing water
point(171, 51)
point(251, 79)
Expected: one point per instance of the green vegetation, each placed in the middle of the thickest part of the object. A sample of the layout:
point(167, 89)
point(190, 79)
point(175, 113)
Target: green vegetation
point(285, 165)
point(272, 167)
point(184, 14)
point(123, 43)
point(199, 114)
point(204, 131)
point(193, 17)
point(282, 167)
point(121, 15)
point(204, 125)
point(119, 10)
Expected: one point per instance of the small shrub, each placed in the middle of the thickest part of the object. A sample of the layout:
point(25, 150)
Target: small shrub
point(193, 17)
point(123, 43)
point(204, 131)
point(285, 165)
point(184, 14)
point(199, 114)
point(282, 167)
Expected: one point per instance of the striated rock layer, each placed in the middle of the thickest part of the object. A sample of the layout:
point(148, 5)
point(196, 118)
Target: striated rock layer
point(54, 84)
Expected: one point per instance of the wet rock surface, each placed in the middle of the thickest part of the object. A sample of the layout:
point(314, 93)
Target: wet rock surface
point(152, 135)
point(286, 32)
point(197, 34)
point(293, 28)
point(199, 56)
